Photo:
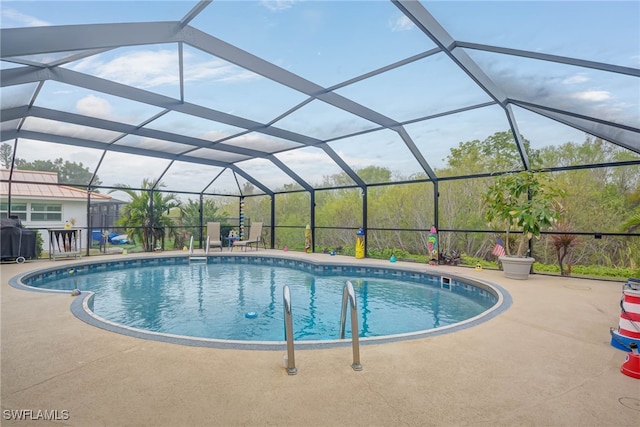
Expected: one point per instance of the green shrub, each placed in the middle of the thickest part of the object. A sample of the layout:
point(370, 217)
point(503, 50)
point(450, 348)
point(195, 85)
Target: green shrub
point(39, 243)
point(592, 271)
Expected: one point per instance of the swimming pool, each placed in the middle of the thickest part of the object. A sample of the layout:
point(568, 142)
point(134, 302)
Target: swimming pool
point(236, 300)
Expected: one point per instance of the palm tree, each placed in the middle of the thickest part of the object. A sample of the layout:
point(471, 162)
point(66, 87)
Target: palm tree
point(191, 212)
point(633, 222)
point(145, 216)
point(189, 219)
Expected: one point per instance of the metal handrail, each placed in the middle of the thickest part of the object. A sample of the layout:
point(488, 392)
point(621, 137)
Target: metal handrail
point(193, 257)
point(206, 248)
point(288, 330)
point(349, 296)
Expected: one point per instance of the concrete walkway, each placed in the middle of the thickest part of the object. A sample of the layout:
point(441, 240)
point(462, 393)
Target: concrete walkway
point(544, 362)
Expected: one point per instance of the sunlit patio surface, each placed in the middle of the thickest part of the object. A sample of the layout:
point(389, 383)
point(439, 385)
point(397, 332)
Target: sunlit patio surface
point(545, 361)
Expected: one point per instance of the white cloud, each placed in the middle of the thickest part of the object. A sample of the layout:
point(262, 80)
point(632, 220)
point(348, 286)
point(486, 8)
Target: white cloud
point(276, 5)
point(545, 88)
point(16, 19)
point(310, 164)
point(218, 70)
point(575, 79)
point(592, 95)
point(62, 92)
point(151, 68)
point(94, 106)
point(36, 124)
point(213, 135)
point(401, 23)
point(143, 68)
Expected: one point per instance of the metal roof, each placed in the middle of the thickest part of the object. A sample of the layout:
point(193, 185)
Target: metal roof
point(34, 184)
point(235, 107)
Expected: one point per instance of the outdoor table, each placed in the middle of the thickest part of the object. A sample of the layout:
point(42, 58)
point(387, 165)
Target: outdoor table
point(230, 241)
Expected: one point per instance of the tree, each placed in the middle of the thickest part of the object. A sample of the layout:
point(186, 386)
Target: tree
point(248, 188)
point(190, 217)
point(68, 172)
point(145, 216)
point(598, 199)
point(524, 202)
point(6, 155)
point(496, 153)
point(374, 174)
point(191, 212)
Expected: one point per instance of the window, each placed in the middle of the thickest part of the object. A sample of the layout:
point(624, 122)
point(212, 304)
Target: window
point(46, 212)
point(18, 209)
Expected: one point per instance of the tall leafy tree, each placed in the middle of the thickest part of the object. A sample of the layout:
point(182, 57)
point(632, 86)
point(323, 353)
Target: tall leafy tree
point(146, 215)
point(6, 153)
point(375, 174)
point(498, 152)
point(190, 217)
point(459, 199)
point(191, 212)
point(68, 172)
point(598, 199)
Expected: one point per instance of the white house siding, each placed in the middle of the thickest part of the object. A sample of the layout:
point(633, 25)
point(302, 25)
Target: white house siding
point(76, 209)
point(42, 187)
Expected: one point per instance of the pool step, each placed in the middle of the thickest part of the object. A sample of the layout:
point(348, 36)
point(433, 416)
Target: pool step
point(197, 259)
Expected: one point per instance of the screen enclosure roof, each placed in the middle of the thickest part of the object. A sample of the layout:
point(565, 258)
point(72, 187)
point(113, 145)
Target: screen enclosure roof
point(230, 97)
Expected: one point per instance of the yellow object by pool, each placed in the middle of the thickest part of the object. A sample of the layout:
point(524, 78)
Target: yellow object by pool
point(307, 239)
point(360, 244)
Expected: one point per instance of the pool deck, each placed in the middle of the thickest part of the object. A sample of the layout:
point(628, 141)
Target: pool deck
point(546, 361)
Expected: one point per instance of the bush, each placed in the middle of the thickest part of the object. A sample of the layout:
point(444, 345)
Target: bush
point(39, 243)
point(592, 271)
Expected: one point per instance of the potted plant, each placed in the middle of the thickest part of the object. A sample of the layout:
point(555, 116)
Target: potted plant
point(523, 203)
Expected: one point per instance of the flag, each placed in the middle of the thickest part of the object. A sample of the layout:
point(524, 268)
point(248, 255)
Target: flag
point(498, 249)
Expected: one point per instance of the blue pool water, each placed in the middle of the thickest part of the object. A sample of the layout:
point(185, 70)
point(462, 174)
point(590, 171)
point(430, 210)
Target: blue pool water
point(212, 300)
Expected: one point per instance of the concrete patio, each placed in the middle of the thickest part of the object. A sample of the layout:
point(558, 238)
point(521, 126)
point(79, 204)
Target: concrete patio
point(546, 361)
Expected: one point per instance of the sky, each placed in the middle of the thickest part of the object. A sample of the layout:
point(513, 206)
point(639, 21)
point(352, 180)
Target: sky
point(329, 43)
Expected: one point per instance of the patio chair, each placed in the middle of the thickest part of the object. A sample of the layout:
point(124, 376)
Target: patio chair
point(255, 237)
point(213, 233)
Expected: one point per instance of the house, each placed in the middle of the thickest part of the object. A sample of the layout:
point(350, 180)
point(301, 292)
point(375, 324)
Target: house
point(42, 204)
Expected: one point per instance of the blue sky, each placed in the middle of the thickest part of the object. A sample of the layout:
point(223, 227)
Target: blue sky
point(330, 42)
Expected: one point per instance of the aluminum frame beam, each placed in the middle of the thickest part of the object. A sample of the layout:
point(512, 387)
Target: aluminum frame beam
point(79, 142)
point(18, 43)
point(110, 35)
point(416, 12)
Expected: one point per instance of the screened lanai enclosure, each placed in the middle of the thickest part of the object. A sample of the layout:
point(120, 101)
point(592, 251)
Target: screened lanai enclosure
point(390, 116)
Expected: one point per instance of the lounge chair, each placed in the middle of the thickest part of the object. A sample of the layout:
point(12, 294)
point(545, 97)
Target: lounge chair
point(213, 233)
point(255, 237)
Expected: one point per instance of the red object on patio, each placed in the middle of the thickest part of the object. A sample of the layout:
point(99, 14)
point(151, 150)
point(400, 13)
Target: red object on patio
point(631, 365)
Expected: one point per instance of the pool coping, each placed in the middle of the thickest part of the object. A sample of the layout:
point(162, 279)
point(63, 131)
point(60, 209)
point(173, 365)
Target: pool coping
point(80, 306)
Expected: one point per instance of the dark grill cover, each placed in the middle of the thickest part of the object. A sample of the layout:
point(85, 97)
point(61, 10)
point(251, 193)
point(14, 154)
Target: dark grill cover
point(16, 241)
